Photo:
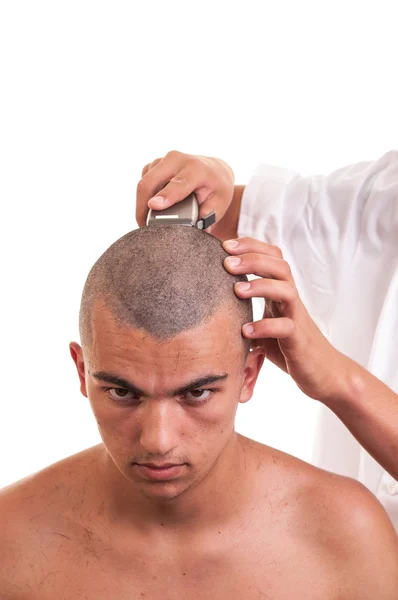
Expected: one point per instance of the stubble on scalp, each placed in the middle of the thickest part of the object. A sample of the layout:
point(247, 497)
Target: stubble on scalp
point(164, 280)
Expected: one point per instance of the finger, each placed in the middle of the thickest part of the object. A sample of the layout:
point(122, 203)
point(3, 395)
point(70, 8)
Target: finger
point(153, 180)
point(280, 328)
point(178, 187)
point(272, 289)
point(260, 265)
point(150, 166)
point(194, 174)
point(246, 244)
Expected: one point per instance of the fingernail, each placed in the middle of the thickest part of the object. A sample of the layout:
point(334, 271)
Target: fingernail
point(233, 261)
point(248, 328)
point(157, 201)
point(231, 243)
point(243, 286)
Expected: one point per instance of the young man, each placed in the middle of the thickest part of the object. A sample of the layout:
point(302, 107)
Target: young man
point(174, 504)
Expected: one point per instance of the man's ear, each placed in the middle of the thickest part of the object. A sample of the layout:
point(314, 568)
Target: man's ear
point(77, 355)
point(254, 362)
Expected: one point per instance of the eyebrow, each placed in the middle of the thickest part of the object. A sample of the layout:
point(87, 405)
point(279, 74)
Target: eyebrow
point(128, 385)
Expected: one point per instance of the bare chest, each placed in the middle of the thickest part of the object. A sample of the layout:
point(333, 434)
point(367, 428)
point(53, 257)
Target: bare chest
point(244, 566)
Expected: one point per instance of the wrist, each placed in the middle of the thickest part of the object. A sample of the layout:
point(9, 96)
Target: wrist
point(227, 227)
point(349, 385)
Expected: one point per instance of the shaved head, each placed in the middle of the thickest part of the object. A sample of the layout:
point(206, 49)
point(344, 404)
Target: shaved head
point(164, 280)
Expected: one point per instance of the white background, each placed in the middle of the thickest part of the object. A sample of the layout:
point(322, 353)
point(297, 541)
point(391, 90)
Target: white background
point(90, 93)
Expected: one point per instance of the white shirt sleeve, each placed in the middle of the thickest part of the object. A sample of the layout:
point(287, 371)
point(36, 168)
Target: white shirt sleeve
point(321, 223)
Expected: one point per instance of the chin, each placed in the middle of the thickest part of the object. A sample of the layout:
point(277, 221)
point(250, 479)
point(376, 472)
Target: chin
point(163, 493)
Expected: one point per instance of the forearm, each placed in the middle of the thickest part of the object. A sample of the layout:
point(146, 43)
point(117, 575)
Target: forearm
point(370, 411)
point(227, 227)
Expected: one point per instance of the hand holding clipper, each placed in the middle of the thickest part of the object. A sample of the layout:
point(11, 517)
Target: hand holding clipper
point(166, 182)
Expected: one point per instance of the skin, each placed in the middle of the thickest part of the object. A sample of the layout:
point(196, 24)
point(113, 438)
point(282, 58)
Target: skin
point(164, 428)
point(242, 519)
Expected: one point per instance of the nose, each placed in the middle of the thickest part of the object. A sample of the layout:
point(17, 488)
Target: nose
point(159, 429)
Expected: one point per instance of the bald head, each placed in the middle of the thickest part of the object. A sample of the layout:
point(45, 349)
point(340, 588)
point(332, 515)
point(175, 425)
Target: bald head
point(164, 280)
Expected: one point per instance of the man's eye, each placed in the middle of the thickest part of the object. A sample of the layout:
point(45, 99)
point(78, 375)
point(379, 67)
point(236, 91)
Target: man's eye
point(197, 397)
point(119, 394)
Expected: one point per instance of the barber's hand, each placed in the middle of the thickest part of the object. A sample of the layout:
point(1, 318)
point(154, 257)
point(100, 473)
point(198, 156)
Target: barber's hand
point(289, 336)
point(211, 179)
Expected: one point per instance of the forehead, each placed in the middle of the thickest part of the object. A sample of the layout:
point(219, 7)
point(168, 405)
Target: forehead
point(119, 346)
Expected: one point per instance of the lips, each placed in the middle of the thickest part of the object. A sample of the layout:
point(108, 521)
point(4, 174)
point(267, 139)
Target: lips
point(155, 466)
point(160, 473)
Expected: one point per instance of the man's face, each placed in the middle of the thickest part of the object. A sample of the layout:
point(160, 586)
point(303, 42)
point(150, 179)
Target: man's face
point(146, 416)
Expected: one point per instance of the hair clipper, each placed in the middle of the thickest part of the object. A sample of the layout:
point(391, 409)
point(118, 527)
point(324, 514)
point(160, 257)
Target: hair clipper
point(185, 212)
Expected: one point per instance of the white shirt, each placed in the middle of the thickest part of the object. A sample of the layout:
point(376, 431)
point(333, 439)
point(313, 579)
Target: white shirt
point(339, 234)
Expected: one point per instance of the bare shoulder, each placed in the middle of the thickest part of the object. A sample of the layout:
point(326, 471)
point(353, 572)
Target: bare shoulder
point(20, 497)
point(340, 518)
point(32, 504)
point(348, 520)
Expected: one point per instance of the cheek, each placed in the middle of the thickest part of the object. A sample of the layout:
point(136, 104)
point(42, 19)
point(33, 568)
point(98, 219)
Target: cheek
point(216, 419)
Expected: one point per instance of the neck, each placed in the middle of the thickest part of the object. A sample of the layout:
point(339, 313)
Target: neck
point(194, 501)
